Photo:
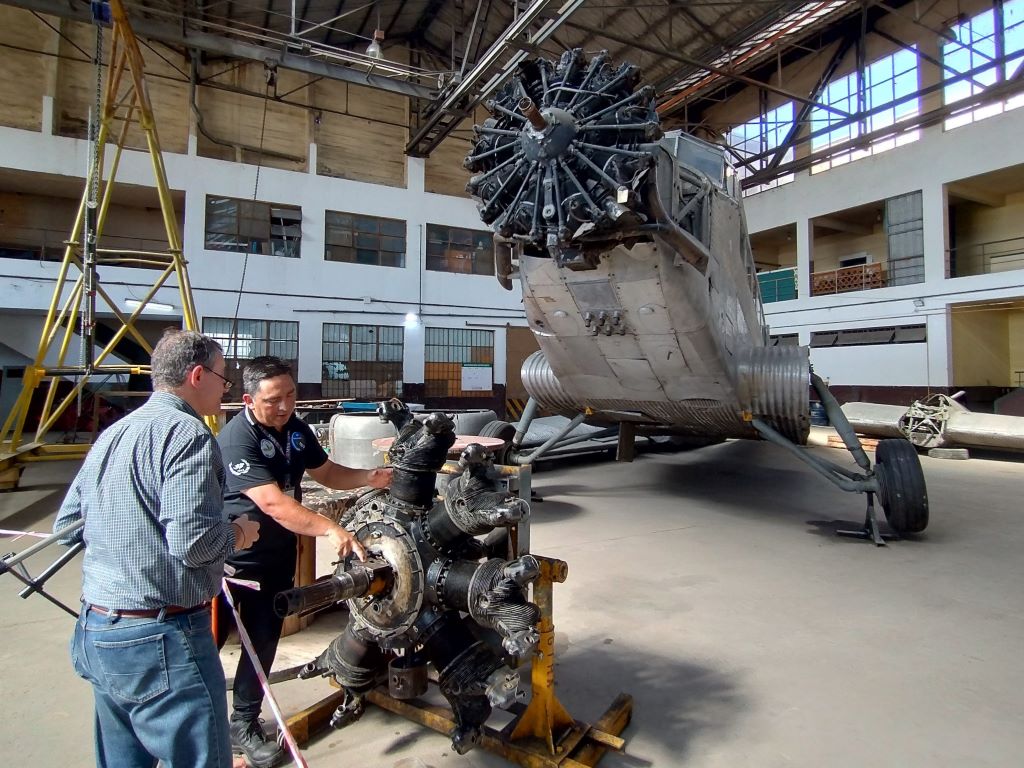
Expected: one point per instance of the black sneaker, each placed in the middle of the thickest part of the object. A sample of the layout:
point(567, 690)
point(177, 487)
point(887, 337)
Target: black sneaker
point(248, 738)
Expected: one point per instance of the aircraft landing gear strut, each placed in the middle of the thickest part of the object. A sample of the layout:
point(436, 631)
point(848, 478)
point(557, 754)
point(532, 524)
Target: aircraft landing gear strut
point(896, 478)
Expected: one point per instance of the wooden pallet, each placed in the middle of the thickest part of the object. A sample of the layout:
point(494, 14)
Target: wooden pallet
point(867, 443)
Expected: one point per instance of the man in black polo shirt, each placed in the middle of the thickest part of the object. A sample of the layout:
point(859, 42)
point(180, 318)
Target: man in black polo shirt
point(266, 450)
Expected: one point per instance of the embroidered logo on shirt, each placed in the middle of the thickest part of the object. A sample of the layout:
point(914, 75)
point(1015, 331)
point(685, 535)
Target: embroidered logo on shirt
point(267, 448)
point(239, 468)
point(298, 443)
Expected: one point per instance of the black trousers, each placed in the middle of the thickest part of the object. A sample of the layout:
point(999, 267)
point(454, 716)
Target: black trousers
point(264, 627)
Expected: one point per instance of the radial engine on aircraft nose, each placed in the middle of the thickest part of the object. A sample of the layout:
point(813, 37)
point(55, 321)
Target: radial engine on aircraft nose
point(561, 161)
point(639, 282)
point(431, 590)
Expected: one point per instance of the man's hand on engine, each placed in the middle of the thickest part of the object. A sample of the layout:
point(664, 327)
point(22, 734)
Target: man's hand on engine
point(380, 477)
point(345, 543)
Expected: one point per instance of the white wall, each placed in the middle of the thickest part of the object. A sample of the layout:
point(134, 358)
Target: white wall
point(21, 333)
point(312, 291)
point(308, 290)
point(888, 365)
point(936, 159)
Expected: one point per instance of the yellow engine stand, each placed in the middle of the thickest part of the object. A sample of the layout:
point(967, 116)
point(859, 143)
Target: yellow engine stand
point(125, 101)
point(542, 735)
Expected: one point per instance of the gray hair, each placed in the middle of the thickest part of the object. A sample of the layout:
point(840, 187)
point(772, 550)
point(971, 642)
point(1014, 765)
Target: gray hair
point(177, 353)
point(261, 368)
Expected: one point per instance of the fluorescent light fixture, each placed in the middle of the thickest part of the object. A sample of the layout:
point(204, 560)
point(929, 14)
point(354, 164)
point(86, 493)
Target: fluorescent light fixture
point(411, 319)
point(152, 306)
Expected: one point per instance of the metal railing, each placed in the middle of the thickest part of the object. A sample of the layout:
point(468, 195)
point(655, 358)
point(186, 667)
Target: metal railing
point(988, 257)
point(778, 285)
point(37, 244)
point(862, 277)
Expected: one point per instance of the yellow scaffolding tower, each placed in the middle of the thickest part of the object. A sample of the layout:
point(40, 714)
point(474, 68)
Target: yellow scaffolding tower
point(125, 101)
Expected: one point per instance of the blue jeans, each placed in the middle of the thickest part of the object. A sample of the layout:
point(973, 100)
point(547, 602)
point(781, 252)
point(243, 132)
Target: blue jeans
point(159, 690)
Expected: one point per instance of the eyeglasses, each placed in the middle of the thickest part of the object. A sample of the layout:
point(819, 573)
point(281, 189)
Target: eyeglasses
point(227, 382)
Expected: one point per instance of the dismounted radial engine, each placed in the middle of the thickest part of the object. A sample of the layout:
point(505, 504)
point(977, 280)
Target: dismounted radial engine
point(433, 589)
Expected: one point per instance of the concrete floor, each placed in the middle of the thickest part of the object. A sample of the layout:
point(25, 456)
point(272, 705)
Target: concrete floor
point(710, 586)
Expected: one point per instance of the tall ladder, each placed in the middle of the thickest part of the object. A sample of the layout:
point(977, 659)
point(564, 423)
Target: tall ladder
point(125, 101)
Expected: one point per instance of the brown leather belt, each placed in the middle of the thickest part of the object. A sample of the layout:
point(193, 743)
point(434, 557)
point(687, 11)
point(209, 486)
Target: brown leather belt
point(148, 613)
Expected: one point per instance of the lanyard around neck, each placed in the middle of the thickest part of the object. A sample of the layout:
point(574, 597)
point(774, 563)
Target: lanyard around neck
point(286, 451)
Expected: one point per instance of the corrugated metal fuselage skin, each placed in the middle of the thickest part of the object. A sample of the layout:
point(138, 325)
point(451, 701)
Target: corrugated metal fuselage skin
point(646, 337)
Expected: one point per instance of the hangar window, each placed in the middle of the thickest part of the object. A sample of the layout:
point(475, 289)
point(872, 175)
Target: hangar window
point(882, 97)
point(857, 337)
point(362, 360)
point(784, 340)
point(466, 251)
point(989, 46)
point(251, 226)
point(243, 339)
point(459, 362)
point(359, 239)
point(754, 142)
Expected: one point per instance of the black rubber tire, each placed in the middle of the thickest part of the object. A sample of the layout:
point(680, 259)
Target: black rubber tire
point(503, 431)
point(500, 429)
point(902, 490)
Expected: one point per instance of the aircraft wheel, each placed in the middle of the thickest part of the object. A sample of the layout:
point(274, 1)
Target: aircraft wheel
point(902, 491)
point(503, 431)
point(500, 429)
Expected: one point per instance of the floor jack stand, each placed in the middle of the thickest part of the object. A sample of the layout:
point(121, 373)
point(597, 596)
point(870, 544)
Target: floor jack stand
point(542, 734)
point(870, 529)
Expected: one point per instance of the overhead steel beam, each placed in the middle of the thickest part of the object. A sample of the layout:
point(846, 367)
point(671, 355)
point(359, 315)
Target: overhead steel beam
point(734, 40)
point(337, 12)
point(468, 45)
point(639, 44)
point(805, 109)
point(366, 18)
point(329, 21)
point(695, 19)
point(761, 69)
point(649, 29)
point(395, 17)
point(224, 46)
point(991, 94)
point(426, 18)
point(456, 102)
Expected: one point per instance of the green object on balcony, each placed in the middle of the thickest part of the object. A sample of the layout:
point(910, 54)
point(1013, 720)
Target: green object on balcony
point(777, 285)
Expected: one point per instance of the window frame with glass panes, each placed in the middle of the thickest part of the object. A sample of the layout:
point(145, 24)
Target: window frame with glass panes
point(242, 344)
point(459, 251)
point(446, 350)
point(362, 361)
point(354, 238)
point(253, 226)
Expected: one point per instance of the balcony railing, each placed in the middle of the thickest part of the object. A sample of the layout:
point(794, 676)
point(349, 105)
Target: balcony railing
point(777, 285)
point(988, 257)
point(35, 244)
point(862, 277)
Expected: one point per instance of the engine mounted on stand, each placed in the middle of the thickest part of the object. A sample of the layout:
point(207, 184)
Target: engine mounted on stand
point(430, 591)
